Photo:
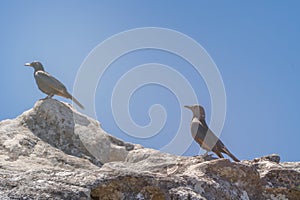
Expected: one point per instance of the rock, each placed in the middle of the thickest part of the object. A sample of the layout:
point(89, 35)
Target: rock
point(273, 157)
point(51, 150)
point(54, 152)
point(282, 180)
point(59, 125)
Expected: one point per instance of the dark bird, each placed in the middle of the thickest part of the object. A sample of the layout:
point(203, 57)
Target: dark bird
point(204, 136)
point(50, 85)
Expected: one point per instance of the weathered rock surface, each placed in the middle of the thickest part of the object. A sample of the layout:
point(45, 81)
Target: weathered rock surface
point(54, 152)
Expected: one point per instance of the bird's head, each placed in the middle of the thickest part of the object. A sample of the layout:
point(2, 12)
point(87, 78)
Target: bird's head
point(36, 65)
point(198, 111)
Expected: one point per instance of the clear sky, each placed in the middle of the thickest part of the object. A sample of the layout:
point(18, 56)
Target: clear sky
point(255, 46)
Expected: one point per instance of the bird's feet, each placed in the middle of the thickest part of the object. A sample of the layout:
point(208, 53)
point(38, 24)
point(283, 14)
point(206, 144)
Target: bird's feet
point(207, 156)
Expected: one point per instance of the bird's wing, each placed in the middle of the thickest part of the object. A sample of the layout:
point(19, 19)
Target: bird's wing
point(199, 133)
point(44, 78)
point(212, 140)
point(203, 135)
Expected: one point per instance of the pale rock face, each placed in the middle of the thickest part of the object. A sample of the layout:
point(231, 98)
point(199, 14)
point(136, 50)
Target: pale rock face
point(59, 125)
point(54, 152)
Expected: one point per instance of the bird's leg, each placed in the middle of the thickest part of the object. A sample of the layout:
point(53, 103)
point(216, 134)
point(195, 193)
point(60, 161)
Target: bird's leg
point(48, 97)
point(206, 154)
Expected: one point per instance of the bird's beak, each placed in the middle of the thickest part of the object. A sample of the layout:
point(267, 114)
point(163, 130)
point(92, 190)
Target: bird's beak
point(189, 107)
point(27, 64)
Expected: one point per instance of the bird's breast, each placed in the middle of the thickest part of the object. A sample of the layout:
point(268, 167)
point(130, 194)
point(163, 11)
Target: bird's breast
point(195, 124)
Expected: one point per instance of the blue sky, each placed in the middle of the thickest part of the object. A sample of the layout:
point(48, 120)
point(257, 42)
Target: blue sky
point(255, 46)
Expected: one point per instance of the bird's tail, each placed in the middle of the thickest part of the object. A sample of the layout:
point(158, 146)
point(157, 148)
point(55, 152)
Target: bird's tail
point(75, 101)
point(230, 154)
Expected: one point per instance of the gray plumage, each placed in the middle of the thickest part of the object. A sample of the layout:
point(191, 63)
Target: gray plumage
point(204, 136)
point(50, 85)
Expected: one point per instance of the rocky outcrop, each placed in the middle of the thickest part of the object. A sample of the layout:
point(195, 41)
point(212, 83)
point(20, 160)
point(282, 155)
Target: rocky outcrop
point(54, 152)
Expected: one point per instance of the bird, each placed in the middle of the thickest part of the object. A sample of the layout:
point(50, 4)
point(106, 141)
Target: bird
point(50, 85)
point(204, 136)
